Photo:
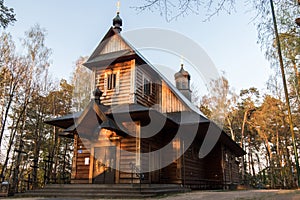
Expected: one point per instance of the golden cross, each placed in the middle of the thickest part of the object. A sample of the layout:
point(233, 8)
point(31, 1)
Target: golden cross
point(118, 6)
point(181, 60)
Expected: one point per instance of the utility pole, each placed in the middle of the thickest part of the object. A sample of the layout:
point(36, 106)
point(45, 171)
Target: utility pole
point(285, 91)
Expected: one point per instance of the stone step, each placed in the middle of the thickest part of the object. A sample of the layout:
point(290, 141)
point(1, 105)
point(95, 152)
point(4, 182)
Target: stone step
point(86, 195)
point(158, 190)
point(104, 190)
point(144, 191)
point(112, 186)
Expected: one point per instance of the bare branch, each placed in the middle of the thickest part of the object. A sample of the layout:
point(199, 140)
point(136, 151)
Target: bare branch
point(171, 10)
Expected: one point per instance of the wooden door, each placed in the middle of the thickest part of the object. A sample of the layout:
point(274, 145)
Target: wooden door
point(104, 165)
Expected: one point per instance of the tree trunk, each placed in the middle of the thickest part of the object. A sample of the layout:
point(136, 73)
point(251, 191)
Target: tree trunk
point(11, 140)
point(242, 144)
point(5, 118)
point(230, 129)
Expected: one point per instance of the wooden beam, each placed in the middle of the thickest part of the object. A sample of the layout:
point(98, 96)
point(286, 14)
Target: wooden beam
point(91, 171)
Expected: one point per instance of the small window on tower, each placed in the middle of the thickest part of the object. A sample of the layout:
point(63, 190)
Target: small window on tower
point(147, 86)
point(184, 85)
point(111, 81)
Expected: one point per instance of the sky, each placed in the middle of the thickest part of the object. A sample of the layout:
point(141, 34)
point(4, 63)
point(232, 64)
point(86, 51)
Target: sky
point(74, 29)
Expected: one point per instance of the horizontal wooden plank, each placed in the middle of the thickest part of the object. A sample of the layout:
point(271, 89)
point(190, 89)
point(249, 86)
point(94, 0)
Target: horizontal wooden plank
point(82, 155)
point(83, 168)
point(82, 175)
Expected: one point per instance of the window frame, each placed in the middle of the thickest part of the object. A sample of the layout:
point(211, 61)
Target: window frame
point(149, 84)
point(111, 81)
point(109, 76)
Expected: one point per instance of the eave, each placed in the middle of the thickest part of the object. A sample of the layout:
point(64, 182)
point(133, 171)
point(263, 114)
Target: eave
point(64, 121)
point(107, 59)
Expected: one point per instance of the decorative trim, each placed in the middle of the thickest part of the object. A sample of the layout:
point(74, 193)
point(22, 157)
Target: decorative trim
point(117, 88)
point(132, 98)
point(91, 170)
point(105, 84)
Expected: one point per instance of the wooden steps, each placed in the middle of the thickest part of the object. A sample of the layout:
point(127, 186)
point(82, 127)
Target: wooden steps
point(127, 191)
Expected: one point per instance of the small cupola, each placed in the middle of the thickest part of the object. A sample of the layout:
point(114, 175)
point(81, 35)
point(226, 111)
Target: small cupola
point(182, 80)
point(117, 23)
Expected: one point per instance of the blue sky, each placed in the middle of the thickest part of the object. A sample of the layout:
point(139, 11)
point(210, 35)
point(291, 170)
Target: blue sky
point(75, 28)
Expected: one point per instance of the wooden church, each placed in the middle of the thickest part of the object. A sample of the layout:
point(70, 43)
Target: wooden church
point(139, 128)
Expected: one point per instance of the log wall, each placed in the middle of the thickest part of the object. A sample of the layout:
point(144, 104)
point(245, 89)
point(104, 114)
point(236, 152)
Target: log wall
point(231, 172)
point(121, 94)
point(82, 169)
point(193, 171)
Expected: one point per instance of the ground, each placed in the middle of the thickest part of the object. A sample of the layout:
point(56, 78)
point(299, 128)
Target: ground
point(217, 195)
point(220, 195)
point(239, 195)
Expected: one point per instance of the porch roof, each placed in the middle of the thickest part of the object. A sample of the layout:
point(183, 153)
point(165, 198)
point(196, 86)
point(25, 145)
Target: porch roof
point(64, 121)
point(97, 116)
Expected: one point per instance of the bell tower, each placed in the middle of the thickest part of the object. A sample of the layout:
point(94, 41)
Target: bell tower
point(182, 80)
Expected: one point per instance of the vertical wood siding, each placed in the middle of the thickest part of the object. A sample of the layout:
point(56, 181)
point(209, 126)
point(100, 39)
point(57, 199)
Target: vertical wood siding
point(114, 43)
point(169, 102)
point(129, 144)
point(143, 99)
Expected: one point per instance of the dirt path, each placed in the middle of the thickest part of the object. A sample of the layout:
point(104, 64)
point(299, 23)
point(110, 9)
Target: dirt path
point(238, 195)
point(218, 195)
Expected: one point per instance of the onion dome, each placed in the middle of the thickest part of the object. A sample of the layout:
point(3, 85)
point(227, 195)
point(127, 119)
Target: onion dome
point(117, 22)
point(183, 73)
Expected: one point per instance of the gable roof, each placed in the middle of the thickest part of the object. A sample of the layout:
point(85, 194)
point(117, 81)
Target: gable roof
point(107, 58)
point(99, 54)
point(102, 43)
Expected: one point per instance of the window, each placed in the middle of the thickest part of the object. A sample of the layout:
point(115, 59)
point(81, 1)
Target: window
point(111, 81)
point(147, 86)
point(178, 84)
